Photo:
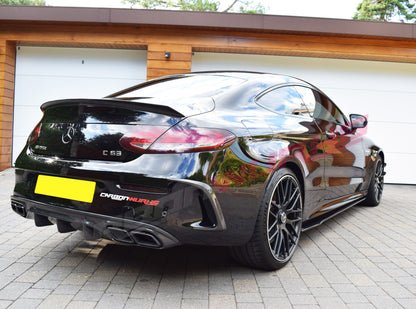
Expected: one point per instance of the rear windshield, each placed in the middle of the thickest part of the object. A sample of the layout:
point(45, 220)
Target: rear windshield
point(184, 86)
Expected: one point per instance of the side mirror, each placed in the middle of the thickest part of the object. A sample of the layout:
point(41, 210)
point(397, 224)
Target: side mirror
point(358, 121)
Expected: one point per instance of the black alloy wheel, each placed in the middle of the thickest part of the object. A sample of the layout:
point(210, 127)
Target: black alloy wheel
point(278, 227)
point(375, 190)
point(284, 218)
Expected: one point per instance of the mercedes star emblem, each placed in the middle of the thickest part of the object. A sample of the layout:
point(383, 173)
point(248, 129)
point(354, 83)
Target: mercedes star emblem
point(68, 135)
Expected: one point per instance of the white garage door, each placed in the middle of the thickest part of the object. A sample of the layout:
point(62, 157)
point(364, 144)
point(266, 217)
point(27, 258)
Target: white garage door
point(385, 92)
point(50, 73)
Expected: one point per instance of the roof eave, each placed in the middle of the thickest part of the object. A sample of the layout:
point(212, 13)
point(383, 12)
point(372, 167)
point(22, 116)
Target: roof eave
point(208, 19)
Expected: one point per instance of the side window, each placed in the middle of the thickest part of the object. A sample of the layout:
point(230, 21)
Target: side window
point(308, 98)
point(325, 109)
point(319, 106)
point(284, 100)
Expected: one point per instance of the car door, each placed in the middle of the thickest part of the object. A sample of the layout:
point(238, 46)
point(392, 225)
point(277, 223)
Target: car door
point(294, 125)
point(344, 157)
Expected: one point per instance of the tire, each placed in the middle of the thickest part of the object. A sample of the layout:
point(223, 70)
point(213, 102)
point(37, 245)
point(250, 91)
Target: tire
point(375, 190)
point(278, 226)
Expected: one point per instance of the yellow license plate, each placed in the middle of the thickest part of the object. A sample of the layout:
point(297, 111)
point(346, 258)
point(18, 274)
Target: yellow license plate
point(71, 189)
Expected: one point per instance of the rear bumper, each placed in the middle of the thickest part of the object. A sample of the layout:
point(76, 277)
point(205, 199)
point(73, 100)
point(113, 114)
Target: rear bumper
point(93, 225)
point(176, 195)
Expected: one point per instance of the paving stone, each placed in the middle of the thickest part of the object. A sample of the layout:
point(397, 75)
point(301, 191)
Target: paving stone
point(68, 289)
point(322, 292)
point(272, 292)
point(336, 266)
point(144, 289)
point(245, 285)
point(24, 303)
point(119, 288)
point(409, 303)
point(76, 278)
point(96, 285)
point(372, 291)
point(248, 297)
point(395, 290)
point(294, 286)
point(384, 302)
point(194, 303)
point(36, 293)
point(93, 296)
point(16, 269)
point(315, 281)
point(360, 280)
point(76, 304)
point(140, 303)
point(353, 298)
point(221, 283)
point(112, 301)
point(5, 280)
point(5, 303)
point(58, 273)
point(331, 303)
point(277, 303)
point(167, 300)
point(13, 290)
point(31, 276)
point(46, 284)
point(250, 306)
point(361, 306)
point(55, 301)
point(222, 301)
point(267, 279)
point(196, 287)
point(302, 299)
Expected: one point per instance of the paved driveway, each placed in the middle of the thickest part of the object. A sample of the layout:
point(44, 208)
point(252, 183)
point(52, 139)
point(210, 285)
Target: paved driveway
point(363, 258)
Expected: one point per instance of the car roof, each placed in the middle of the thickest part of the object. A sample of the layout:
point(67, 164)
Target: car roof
point(244, 76)
point(248, 75)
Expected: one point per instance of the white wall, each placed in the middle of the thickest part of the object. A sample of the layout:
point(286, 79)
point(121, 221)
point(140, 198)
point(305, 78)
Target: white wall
point(51, 73)
point(386, 92)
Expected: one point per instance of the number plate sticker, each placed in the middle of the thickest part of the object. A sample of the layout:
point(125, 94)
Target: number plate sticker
point(71, 189)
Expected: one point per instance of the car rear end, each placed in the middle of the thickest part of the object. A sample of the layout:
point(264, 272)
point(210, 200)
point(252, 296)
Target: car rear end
point(120, 170)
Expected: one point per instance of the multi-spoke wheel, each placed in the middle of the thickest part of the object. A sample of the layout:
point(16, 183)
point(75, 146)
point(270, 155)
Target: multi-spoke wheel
point(284, 218)
point(278, 225)
point(375, 190)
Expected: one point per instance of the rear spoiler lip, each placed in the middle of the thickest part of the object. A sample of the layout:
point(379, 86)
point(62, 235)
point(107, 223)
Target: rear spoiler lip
point(146, 107)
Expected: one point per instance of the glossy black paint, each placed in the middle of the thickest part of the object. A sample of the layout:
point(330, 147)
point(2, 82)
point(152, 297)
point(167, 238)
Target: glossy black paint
point(209, 198)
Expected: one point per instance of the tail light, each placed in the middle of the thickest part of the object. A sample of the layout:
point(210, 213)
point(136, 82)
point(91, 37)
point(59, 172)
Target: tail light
point(178, 139)
point(141, 137)
point(34, 136)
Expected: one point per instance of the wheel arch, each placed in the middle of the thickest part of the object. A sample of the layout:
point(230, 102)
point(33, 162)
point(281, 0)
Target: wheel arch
point(381, 154)
point(299, 175)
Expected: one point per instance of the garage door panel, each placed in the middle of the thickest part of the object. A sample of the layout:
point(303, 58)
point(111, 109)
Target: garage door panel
point(396, 77)
point(393, 136)
point(46, 73)
point(22, 126)
point(376, 104)
point(398, 165)
point(384, 91)
point(81, 62)
point(34, 90)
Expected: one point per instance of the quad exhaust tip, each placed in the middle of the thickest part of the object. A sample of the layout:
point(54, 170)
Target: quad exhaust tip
point(19, 208)
point(141, 238)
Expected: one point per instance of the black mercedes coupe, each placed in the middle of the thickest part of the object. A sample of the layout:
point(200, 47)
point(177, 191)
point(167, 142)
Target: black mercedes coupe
point(239, 159)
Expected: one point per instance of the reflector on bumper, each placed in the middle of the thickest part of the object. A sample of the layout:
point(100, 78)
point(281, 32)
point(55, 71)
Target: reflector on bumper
point(72, 189)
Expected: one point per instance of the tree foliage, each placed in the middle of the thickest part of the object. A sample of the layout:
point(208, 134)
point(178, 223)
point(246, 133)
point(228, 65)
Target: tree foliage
point(240, 6)
point(386, 10)
point(22, 2)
